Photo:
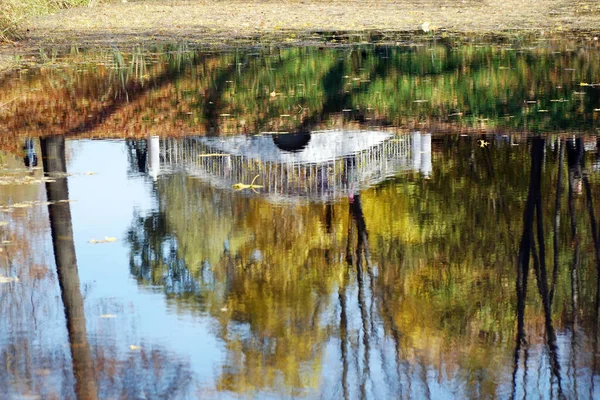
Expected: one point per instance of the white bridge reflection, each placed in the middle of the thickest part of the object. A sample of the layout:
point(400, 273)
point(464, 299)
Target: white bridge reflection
point(319, 166)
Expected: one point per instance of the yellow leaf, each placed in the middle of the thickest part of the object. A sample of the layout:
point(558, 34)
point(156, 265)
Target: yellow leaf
point(107, 316)
point(242, 186)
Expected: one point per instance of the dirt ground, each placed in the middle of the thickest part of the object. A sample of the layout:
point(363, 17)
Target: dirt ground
point(222, 22)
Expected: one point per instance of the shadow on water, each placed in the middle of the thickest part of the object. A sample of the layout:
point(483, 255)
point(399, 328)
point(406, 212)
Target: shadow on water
point(183, 91)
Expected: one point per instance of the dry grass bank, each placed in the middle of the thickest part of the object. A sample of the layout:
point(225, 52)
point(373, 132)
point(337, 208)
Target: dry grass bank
point(215, 23)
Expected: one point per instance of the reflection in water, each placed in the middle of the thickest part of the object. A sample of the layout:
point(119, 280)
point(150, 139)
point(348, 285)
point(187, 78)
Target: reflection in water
point(318, 170)
point(411, 297)
point(534, 87)
point(372, 257)
point(53, 155)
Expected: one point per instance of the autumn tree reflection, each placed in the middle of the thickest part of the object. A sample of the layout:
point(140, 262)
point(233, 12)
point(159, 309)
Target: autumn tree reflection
point(181, 91)
point(402, 290)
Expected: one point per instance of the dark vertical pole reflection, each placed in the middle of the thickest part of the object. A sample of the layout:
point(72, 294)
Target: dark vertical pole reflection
point(53, 153)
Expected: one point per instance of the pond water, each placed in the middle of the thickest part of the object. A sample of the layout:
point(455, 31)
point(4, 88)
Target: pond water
point(417, 221)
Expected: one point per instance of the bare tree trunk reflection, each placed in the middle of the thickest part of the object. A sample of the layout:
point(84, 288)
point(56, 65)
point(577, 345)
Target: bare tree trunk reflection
point(358, 217)
point(596, 239)
point(574, 168)
point(53, 153)
point(527, 249)
point(344, 334)
point(557, 208)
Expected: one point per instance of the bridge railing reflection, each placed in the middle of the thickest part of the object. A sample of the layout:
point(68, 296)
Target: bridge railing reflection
point(332, 165)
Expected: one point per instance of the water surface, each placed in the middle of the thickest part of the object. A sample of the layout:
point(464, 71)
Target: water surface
point(362, 222)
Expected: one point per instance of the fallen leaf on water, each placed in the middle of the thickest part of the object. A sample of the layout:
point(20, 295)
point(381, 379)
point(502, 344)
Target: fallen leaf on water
point(107, 239)
point(107, 316)
point(134, 347)
point(8, 279)
point(242, 186)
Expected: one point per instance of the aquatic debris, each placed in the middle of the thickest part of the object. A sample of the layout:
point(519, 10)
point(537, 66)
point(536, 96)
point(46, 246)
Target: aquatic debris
point(214, 155)
point(3, 223)
point(134, 347)
point(107, 316)
point(22, 205)
point(482, 143)
point(107, 239)
point(242, 186)
point(23, 180)
point(58, 174)
point(29, 204)
point(8, 279)
point(91, 173)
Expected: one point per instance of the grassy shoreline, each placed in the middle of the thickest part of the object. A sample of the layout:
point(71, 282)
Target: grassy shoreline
point(237, 23)
point(15, 15)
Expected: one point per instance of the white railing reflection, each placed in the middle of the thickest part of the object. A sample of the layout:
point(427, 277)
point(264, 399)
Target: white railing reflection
point(327, 165)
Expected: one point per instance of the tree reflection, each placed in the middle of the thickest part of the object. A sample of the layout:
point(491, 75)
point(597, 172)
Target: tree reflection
point(53, 154)
point(408, 282)
point(293, 89)
point(99, 370)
